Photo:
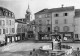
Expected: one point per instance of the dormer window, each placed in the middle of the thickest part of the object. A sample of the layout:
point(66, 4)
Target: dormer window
point(9, 13)
point(6, 13)
point(12, 15)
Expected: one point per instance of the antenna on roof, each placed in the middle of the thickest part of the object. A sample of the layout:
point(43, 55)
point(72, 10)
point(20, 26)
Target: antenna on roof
point(62, 5)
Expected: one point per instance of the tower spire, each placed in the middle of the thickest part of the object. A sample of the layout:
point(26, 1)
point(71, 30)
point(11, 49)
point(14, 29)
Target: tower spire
point(28, 8)
point(28, 14)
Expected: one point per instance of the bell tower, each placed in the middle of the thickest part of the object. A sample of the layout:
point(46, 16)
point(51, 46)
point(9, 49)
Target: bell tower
point(28, 15)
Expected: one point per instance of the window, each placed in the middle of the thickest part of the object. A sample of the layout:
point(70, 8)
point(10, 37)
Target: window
point(3, 22)
point(6, 30)
point(65, 28)
point(6, 13)
point(3, 31)
point(0, 22)
point(56, 21)
point(47, 15)
point(9, 14)
point(9, 22)
point(0, 12)
point(40, 16)
point(40, 29)
point(40, 21)
point(12, 22)
point(13, 30)
point(19, 30)
point(56, 28)
point(12, 14)
point(56, 15)
point(76, 35)
point(65, 21)
point(0, 31)
point(65, 14)
point(48, 21)
point(48, 29)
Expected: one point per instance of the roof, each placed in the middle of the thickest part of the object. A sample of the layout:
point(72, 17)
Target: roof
point(19, 21)
point(6, 10)
point(61, 9)
point(77, 12)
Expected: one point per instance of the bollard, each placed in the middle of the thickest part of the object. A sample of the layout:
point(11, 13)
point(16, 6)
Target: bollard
point(30, 53)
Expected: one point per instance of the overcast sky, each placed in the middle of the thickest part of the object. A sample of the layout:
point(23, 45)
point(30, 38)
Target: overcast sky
point(19, 7)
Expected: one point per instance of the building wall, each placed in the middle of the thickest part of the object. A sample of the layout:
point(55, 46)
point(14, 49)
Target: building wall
point(21, 27)
point(77, 26)
point(43, 21)
point(10, 26)
point(61, 20)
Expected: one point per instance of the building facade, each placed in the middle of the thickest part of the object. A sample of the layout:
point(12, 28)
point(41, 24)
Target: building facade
point(43, 23)
point(20, 29)
point(65, 20)
point(7, 25)
point(77, 24)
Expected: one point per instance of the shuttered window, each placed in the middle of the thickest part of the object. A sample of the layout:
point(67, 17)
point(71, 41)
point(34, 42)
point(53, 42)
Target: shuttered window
point(0, 31)
point(3, 31)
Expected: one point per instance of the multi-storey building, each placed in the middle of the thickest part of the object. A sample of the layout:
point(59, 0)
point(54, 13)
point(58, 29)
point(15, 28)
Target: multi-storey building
point(7, 25)
point(65, 20)
point(77, 24)
point(43, 22)
point(20, 29)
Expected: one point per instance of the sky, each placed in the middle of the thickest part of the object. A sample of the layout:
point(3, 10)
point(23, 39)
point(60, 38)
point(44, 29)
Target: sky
point(19, 7)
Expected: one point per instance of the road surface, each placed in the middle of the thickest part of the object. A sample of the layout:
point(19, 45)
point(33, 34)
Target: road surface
point(24, 48)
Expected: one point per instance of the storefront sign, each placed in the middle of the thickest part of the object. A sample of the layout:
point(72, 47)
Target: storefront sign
point(67, 34)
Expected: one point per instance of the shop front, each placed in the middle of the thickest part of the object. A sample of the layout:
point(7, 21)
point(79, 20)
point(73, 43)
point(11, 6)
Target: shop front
point(44, 36)
point(67, 36)
point(10, 38)
point(20, 36)
point(30, 35)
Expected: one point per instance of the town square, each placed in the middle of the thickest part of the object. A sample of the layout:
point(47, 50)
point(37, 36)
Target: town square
point(39, 28)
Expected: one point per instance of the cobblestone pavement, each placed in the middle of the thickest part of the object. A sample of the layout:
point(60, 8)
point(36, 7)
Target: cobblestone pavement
point(19, 49)
point(24, 48)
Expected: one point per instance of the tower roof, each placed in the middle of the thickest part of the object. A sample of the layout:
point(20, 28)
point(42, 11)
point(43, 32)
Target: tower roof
point(28, 9)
